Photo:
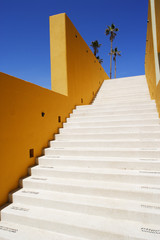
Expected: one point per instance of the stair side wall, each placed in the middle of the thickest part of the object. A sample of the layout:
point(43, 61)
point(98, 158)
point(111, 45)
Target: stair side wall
point(31, 115)
point(152, 65)
point(75, 71)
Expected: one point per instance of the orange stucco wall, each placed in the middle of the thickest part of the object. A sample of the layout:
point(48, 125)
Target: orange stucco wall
point(152, 49)
point(82, 73)
point(76, 75)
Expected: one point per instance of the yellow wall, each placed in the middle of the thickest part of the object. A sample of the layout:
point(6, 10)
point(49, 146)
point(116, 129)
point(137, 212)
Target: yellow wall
point(152, 48)
point(82, 73)
point(58, 54)
point(149, 57)
point(21, 103)
point(157, 11)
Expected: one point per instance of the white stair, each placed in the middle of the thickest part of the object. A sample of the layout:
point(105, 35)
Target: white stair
point(100, 177)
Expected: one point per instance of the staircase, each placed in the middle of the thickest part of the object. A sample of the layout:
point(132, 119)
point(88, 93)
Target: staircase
point(100, 178)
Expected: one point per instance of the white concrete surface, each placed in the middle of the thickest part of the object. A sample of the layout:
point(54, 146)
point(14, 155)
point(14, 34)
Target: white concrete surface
point(100, 177)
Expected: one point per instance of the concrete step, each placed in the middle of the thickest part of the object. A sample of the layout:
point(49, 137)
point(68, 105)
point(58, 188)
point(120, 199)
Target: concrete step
point(117, 83)
point(106, 152)
point(106, 96)
point(129, 143)
point(136, 192)
point(115, 122)
point(98, 206)
point(98, 174)
point(129, 80)
point(91, 227)
point(113, 92)
point(99, 180)
point(108, 136)
point(17, 231)
point(100, 162)
point(113, 112)
point(102, 117)
point(123, 100)
point(113, 129)
point(124, 105)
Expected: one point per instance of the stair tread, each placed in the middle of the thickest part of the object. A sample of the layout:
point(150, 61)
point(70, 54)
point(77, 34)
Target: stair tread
point(149, 188)
point(104, 118)
point(13, 231)
point(107, 171)
point(115, 115)
point(141, 104)
point(85, 200)
point(108, 140)
point(94, 158)
point(82, 221)
point(121, 120)
point(106, 148)
point(113, 133)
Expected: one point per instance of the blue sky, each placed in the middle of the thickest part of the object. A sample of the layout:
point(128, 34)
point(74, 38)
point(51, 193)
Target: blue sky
point(24, 34)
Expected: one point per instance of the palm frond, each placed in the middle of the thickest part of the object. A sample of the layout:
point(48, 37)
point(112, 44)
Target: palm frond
point(95, 45)
point(115, 52)
point(112, 26)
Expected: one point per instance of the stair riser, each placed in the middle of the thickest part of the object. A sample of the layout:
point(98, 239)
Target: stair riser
point(135, 88)
point(91, 112)
point(123, 97)
point(106, 96)
point(124, 84)
point(115, 129)
point(124, 106)
point(140, 136)
point(111, 153)
point(134, 179)
point(111, 123)
point(144, 165)
point(112, 104)
point(56, 226)
point(124, 87)
point(120, 144)
point(110, 117)
point(125, 91)
point(129, 80)
point(109, 193)
point(121, 100)
point(89, 209)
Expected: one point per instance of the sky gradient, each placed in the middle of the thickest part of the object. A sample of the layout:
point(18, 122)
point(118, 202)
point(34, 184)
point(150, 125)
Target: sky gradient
point(24, 34)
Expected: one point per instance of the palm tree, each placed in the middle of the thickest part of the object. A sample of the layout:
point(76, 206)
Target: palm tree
point(95, 45)
point(116, 53)
point(112, 31)
point(100, 60)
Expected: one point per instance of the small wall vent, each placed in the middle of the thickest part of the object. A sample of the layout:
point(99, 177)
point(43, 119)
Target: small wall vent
point(31, 153)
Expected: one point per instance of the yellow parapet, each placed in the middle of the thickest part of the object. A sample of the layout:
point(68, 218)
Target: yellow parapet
point(152, 64)
point(75, 72)
point(31, 115)
point(58, 54)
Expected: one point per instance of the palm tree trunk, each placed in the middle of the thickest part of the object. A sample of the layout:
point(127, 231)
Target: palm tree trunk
point(115, 69)
point(111, 61)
